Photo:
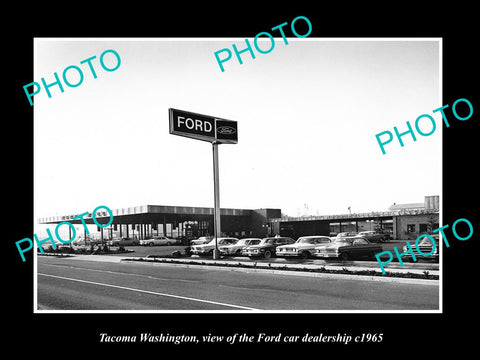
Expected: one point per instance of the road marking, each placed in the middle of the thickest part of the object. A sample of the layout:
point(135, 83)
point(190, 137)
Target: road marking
point(151, 292)
point(121, 273)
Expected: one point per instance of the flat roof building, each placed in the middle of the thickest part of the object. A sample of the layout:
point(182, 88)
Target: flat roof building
point(402, 221)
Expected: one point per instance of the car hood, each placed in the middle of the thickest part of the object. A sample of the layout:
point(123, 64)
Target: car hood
point(201, 246)
point(298, 246)
point(332, 246)
point(230, 246)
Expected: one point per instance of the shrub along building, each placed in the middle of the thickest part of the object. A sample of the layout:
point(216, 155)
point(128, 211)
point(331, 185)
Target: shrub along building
point(403, 221)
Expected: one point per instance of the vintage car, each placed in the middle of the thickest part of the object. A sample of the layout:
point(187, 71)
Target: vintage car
point(207, 249)
point(347, 248)
point(201, 240)
point(303, 248)
point(123, 242)
point(266, 248)
point(423, 251)
point(374, 236)
point(236, 249)
point(158, 240)
point(346, 234)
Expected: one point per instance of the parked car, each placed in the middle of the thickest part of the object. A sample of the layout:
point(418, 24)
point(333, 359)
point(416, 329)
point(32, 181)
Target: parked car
point(267, 247)
point(303, 248)
point(425, 246)
point(201, 240)
point(236, 249)
point(346, 248)
point(207, 249)
point(124, 242)
point(348, 233)
point(158, 240)
point(374, 236)
point(89, 241)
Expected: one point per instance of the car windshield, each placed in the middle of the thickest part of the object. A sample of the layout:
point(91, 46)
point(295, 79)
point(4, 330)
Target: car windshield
point(254, 242)
point(343, 240)
point(427, 242)
point(306, 241)
point(267, 241)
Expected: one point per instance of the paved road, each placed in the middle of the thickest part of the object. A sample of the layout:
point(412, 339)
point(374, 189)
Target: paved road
point(66, 284)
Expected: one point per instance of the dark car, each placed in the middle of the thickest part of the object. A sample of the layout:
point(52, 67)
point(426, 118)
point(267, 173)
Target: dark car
point(374, 236)
point(346, 248)
point(267, 247)
point(425, 246)
point(123, 242)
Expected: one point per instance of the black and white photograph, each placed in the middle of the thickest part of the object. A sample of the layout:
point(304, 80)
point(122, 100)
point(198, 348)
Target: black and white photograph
point(308, 198)
point(202, 182)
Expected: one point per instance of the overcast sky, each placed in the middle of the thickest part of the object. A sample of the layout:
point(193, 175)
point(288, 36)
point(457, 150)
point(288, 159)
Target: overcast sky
point(307, 117)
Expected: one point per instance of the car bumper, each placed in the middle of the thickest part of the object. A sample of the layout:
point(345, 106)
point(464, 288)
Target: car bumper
point(327, 255)
point(227, 253)
point(287, 254)
point(409, 257)
point(252, 254)
point(200, 251)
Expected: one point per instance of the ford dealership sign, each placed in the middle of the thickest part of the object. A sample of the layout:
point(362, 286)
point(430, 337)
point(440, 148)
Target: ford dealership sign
point(202, 127)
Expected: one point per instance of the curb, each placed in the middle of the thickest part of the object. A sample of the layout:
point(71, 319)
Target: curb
point(395, 275)
point(294, 271)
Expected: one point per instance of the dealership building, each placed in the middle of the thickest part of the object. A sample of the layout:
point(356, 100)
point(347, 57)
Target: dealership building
point(402, 221)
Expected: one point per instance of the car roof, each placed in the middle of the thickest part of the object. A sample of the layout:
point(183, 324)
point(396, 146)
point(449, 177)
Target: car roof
point(278, 237)
point(352, 238)
point(314, 236)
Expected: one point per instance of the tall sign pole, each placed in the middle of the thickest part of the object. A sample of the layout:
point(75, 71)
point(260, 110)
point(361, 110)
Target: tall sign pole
point(216, 196)
point(216, 131)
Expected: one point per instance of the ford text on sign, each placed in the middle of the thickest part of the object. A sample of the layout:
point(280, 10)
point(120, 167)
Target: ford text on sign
point(202, 127)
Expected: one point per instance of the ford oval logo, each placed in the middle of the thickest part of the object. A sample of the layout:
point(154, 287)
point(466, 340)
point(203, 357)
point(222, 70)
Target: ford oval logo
point(226, 130)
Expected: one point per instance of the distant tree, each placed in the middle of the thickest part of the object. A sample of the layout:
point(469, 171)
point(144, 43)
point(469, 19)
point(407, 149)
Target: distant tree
point(432, 223)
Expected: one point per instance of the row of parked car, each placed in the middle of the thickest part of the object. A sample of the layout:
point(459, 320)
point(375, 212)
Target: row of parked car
point(343, 246)
point(152, 241)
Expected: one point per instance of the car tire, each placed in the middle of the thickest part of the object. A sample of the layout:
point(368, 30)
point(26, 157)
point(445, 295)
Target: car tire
point(169, 243)
point(150, 244)
point(267, 254)
point(344, 256)
point(304, 255)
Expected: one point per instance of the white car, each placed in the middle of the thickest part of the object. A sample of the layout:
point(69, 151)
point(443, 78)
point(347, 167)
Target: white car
point(236, 249)
point(207, 249)
point(201, 240)
point(158, 240)
point(303, 248)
